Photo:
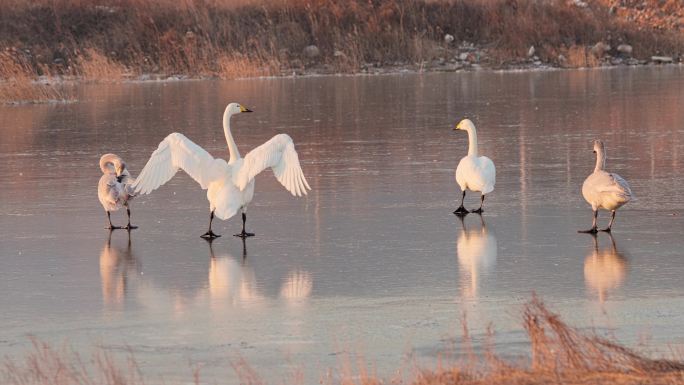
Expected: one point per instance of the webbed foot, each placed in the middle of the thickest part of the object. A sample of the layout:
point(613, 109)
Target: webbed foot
point(592, 230)
point(209, 235)
point(244, 234)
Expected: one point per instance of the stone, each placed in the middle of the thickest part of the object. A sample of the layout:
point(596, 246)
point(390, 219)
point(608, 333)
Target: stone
point(448, 38)
point(599, 49)
point(311, 51)
point(662, 59)
point(625, 49)
point(463, 56)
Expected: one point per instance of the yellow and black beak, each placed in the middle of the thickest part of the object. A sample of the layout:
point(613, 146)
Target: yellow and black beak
point(244, 109)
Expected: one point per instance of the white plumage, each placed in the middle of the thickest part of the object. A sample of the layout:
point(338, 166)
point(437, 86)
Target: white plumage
point(114, 189)
point(230, 184)
point(604, 190)
point(474, 173)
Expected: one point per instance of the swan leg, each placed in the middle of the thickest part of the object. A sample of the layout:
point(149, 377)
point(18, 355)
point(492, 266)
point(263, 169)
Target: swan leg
point(129, 226)
point(610, 224)
point(244, 233)
point(479, 211)
point(111, 226)
point(593, 229)
point(210, 234)
point(461, 210)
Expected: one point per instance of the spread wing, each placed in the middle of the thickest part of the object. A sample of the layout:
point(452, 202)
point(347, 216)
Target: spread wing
point(279, 154)
point(178, 152)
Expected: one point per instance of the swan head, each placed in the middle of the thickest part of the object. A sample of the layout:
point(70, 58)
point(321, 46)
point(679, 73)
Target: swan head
point(236, 108)
point(598, 146)
point(465, 124)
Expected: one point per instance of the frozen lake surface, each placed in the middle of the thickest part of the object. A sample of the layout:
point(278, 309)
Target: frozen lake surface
point(372, 262)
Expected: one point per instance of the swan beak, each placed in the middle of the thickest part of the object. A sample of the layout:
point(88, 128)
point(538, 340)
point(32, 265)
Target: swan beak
point(245, 109)
point(456, 128)
point(119, 178)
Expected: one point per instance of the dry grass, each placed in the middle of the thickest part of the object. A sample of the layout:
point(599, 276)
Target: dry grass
point(558, 354)
point(17, 84)
point(112, 39)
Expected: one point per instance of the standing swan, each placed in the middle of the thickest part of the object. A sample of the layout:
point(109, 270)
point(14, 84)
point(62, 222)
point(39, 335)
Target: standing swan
point(230, 185)
point(114, 188)
point(604, 190)
point(474, 173)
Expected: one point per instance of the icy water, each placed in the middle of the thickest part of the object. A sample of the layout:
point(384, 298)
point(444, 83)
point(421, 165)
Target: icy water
point(372, 262)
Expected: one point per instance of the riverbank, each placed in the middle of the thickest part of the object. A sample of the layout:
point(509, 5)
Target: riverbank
point(109, 41)
point(558, 353)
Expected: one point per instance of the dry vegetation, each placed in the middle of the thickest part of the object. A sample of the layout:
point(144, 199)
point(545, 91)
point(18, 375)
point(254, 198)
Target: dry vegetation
point(558, 354)
point(112, 39)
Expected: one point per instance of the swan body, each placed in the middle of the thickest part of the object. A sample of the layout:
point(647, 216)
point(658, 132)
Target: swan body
point(474, 172)
point(604, 190)
point(229, 185)
point(114, 188)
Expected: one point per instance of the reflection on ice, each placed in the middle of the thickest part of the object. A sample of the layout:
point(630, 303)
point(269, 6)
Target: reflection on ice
point(115, 265)
point(231, 281)
point(604, 269)
point(477, 252)
point(297, 286)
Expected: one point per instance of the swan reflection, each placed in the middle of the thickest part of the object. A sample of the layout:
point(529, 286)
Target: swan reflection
point(477, 251)
point(230, 280)
point(605, 269)
point(297, 286)
point(115, 265)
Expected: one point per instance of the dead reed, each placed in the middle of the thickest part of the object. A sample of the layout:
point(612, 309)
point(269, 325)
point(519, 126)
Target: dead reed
point(17, 85)
point(240, 38)
point(558, 354)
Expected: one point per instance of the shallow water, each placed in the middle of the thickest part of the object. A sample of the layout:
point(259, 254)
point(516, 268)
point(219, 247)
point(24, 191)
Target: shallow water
point(372, 262)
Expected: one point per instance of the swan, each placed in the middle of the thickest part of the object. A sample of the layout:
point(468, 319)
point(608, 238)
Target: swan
point(604, 190)
point(474, 173)
point(114, 188)
point(229, 185)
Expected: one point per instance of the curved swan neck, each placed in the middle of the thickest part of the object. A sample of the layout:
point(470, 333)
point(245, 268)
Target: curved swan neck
point(232, 147)
point(600, 160)
point(109, 163)
point(472, 141)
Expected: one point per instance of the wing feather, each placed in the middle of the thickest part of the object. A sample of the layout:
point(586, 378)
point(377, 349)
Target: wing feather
point(279, 154)
point(178, 152)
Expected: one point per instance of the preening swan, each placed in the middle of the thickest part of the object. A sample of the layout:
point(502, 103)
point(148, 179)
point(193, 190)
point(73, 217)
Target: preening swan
point(114, 188)
point(604, 190)
point(474, 173)
point(230, 184)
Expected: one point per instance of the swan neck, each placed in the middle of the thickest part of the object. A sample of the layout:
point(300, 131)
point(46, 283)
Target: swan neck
point(600, 160)
point(232, 147)
point(109, 163)
point(472, 141)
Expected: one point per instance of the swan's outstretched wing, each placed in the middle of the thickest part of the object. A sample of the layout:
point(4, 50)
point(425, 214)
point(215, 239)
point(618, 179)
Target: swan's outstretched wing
point(280, 155)
point(178, 152)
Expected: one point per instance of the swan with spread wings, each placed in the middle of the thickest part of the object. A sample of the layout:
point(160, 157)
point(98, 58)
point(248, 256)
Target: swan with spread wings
point(229, 185)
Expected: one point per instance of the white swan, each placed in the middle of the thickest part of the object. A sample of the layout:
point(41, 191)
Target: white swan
point(230, 184)
point(474, 173)
point(114, 189)
point(604, 190)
